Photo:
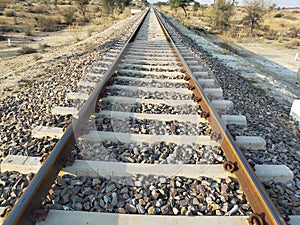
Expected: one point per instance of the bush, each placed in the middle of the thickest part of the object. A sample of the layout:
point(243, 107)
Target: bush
point(68, 15)
point(37, 57)
point(46, 24)
point(279, 15)
point(293, 32)
point(28, 31)
point(76, 31)
point(281, 39)
point(9, 13)
point(89, 31)
point(97, 9)
point(27, 50)
point(43, 46)
point(293, 44)
point(39, 9)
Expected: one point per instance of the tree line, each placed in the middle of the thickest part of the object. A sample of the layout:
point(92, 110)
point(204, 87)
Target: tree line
point(224, 9)
point(107, 5)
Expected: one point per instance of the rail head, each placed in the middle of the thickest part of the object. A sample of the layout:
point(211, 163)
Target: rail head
point(265, 212)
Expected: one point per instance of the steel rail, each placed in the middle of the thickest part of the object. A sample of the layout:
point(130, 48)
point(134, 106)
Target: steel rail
point(265, 212)
point(26, 209)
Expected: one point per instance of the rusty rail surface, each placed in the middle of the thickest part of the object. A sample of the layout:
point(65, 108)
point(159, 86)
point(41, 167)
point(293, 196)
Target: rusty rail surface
point(26, 210)
point(265, 212)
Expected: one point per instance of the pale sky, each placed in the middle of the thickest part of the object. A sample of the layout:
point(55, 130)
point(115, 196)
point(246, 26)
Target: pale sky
point(280, 3)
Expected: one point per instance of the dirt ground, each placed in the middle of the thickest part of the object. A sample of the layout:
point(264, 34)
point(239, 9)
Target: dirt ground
point(13, 65)
point(277, 65)
point(56, 43)
point(282, 56)
point(16, 67)
point(269, 67)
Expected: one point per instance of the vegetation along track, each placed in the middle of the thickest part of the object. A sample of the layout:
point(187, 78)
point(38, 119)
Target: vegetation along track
point(147, 141)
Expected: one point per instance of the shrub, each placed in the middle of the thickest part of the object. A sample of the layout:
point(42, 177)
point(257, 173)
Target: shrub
point(46, 24)
point(43, 46)
point(293, 44)
point(39, 9)
point(27, 50)
point(68, 15)
point(37, 57)
point(280, 39)
point(97, 9)
point(28, 31)
point(89, 31)
point(293, 32)
point(76, 31)
point(9, 13)
point(279, 15)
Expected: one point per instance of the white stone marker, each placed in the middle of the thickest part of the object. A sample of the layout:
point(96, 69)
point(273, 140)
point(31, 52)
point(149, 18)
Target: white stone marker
point(295, 110)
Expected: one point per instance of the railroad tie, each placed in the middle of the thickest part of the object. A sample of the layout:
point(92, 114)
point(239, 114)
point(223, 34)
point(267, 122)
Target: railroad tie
point(86, 84)
point(206, 82)
point(234, 119)
point(222, 104)
point(44, 131)
point(29, 164)
point(77, 95)
point(213, 92)
point(61, 110)
point(251, 142)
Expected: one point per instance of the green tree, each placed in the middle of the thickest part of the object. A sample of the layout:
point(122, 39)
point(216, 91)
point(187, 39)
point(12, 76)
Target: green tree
point(68, 14)
point(196, 6)
point(123, 3)
point(255, 10)
point(180, 3)
point(160, 4)
point(222, 11)
point(107, 6)
point(145, 2)
point(82, 6)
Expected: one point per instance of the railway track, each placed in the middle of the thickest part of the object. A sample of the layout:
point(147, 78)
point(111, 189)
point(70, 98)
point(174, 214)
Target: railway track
point(149, 141)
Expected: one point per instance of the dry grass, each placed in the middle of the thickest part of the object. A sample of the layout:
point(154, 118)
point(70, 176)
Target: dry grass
point(22, 19)
point(281, 26)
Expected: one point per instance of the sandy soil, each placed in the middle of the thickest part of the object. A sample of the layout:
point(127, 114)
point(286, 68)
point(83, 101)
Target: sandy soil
point(278, 66)
point(280, 55)
point(267, 66)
